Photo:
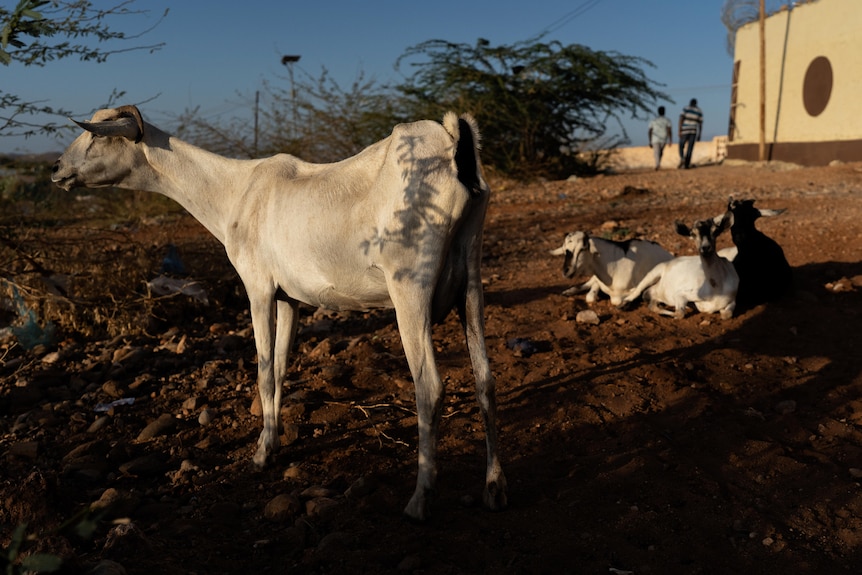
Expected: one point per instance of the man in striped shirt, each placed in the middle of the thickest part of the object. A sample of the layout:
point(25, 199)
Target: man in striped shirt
point(690, 124)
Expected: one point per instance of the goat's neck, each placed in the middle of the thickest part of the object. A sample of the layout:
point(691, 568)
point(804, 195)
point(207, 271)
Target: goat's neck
point(712, 260)
point(205, 184)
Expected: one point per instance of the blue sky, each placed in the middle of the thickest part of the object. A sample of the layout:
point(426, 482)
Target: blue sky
point(218, 53)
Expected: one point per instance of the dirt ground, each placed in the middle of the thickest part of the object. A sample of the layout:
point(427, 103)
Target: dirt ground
point(641, 444)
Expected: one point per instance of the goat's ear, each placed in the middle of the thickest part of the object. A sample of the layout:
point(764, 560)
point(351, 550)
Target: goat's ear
point(134, 113)
point(723, 222)
point(592, 245)
point(560, 251)
point(682, 229)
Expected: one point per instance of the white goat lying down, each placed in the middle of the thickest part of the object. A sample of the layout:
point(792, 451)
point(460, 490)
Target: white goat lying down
point(398, 225)
point(615, 267)
point(707, 280)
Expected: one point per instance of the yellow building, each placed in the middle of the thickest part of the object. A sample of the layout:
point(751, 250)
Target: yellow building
point(813, 85)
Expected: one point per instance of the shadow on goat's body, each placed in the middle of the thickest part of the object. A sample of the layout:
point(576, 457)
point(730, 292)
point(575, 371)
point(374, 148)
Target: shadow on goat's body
point(398, 225)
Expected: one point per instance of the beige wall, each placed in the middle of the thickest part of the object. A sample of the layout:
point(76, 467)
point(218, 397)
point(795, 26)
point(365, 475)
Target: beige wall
point(705, 152)
point(830, 28)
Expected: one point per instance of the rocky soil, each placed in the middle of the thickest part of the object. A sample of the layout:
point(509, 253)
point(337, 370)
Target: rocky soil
point(632, 444)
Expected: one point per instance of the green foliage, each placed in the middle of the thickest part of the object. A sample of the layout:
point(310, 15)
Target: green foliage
point(538, 103)
point(337, 123)
point(37, 562)
point(38, 32)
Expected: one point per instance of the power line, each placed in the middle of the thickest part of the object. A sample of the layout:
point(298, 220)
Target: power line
point(569, 16)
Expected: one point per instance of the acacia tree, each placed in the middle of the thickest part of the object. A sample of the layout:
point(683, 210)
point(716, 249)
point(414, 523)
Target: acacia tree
point(314, 118)
point(537, 102)
point(38, 32)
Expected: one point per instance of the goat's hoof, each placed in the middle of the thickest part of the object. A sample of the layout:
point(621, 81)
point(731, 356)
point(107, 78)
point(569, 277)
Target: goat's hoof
point(495, 497)
point(261, 456)
point(418, 508)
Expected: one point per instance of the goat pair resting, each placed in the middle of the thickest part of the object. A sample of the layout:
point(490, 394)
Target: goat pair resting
point(399, 225)
point(628, 270)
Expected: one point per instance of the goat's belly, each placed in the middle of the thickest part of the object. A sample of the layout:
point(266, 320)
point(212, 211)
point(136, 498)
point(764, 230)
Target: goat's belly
point(353, 292)
point(331, 298)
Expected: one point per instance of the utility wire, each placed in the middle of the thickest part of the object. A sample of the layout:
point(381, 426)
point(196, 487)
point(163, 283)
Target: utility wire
point(569, 16)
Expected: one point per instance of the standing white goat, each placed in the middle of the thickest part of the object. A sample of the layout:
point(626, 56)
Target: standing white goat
point(398, 225)
point(615, 267)
point(707, 280)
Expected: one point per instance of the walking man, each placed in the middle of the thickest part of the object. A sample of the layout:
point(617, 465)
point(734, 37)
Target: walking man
point(690, 124)
point(660, 135)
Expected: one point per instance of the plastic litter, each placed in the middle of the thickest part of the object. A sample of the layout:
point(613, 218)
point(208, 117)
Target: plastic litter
point(172, 264)
point(103, 407)
point(163, 285)
point(28, 332)
point(522, 346)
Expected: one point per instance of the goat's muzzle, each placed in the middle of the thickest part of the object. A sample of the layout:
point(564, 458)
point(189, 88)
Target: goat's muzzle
point(63, 180)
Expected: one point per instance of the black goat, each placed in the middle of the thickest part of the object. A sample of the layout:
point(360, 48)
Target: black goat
point(764, 274)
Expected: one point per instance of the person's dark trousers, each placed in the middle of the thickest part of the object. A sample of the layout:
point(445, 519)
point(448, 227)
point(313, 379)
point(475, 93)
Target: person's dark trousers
point(686, 147)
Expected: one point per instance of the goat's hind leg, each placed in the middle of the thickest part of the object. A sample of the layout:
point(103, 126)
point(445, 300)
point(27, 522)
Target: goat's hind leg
point(413, 312)
point(495, 495)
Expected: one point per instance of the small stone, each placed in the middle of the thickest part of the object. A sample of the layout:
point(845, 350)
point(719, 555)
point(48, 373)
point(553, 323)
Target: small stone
point(855, 473)
point(162, 425)
point(97, 425)
point(206, 417)
point(317, 491)
point(292, 472)
point(51, 358)
point(282, 508)
point(151, 464)
point(28, 449)
point(319, 506)
point(587, 316)
point(360, 488)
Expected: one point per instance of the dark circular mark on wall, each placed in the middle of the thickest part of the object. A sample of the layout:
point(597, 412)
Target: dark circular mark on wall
point(818, 86)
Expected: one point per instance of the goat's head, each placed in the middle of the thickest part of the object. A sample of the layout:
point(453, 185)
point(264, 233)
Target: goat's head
point(704, 232)
point(744, 213)
point(104, 154)
point(575, 246)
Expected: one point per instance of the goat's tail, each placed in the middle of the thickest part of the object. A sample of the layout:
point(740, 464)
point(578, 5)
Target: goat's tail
point(465, 132)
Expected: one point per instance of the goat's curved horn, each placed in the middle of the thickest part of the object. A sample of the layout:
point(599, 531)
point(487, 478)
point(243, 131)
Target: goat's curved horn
point(128, 124)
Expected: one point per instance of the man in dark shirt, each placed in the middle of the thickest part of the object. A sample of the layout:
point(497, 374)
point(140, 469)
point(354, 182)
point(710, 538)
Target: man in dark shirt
point(690, 124)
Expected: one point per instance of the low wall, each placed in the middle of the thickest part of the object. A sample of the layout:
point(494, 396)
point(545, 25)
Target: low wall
point(641, 157)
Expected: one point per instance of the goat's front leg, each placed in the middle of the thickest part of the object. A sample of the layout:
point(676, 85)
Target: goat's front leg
point(263, 322)
point(581, 288)
point(413, 313)
point(727, 311)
